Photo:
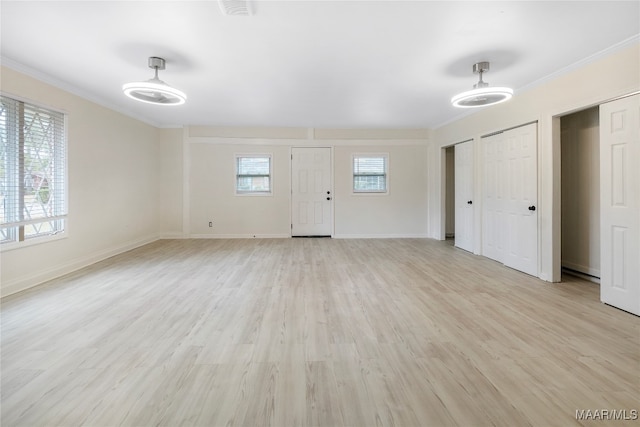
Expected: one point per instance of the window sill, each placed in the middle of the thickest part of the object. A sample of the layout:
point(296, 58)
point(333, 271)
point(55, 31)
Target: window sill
point(6, 247)
point(265, 194)
point(370, 193)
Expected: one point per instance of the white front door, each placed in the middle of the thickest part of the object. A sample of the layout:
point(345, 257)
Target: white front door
point(311, 192)
point(620, 203)
point(521, 244)
point(464, 195)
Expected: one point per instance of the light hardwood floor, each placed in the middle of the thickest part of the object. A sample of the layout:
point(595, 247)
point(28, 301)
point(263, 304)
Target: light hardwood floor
point(312, 332)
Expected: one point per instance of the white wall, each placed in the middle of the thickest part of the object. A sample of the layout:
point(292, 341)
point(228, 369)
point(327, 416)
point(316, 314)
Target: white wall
point(170, 185)
point(212, 193)
point(113, 195)
point(580, 134)
point(607, 77)
point(209, 192)
point(402, 212)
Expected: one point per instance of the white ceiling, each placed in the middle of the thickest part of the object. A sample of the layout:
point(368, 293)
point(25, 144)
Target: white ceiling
point(324, 64)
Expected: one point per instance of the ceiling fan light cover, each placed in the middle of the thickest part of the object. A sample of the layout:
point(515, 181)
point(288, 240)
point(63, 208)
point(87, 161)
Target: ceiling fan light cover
point(154, 91)
point(482, 97)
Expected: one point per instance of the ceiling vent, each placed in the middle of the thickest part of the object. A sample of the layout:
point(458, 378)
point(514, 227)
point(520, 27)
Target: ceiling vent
point(235, 7)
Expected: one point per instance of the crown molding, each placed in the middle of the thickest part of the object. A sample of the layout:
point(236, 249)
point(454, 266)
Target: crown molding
point(68, 87)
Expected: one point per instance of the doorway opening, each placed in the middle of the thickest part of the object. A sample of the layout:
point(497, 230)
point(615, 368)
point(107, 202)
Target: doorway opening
point(450, 194)
point(580, 193)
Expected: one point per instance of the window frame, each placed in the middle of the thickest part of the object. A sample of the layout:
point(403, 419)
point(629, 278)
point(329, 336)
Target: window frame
point(243, 193)
point(384, 192)
point(61, 173)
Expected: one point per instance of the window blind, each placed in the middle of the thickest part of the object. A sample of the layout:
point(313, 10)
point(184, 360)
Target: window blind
point(253, 174)
point(32, 170)
point(369, 174)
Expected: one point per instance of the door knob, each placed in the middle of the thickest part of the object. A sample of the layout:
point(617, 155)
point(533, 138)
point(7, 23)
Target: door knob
point(532, 208)
point(328, 198)
point(328, 192)
point(470, 202)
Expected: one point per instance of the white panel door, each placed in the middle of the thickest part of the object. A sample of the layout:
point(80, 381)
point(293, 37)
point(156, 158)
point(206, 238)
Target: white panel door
point(493, 197)
point(464, 195)
point(510, 198)
point(311, 192)
point(521, 180)
point(620, 203)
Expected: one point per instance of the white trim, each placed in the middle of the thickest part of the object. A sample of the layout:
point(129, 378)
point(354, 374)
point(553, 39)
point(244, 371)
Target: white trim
point(582, 62)
point(34, 221)
point(28, 281)
point(239, 236)
point(302, 143)
point(38, 104)
point(68, 87)
point(33, 241)
point(171, 236)
point(381, 236)
point(558, 73)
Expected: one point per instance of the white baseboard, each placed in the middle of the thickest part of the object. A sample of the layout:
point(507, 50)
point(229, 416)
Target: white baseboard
point(238, 236)
point(172, 236)
point(380, 236)
point(37, 278)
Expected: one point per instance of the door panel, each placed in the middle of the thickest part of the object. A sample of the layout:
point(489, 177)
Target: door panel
point(620, 203)
point(510, 194)
point(494, 196)
point(464, 195)
point(522, 248)
point(311, 192)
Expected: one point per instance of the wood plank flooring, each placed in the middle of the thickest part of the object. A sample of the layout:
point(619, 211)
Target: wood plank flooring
point(313, 332)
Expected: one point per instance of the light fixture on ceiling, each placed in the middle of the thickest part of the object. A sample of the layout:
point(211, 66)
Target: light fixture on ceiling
point(236, 7)
point(154, 91)
point(482, 94)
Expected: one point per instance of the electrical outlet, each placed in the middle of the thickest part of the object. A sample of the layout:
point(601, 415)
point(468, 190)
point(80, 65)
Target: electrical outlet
point(210, 224)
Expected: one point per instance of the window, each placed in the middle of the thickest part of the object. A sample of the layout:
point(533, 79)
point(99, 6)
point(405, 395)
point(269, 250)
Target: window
point(370, 173)
point(253, 174)
point(32, 171)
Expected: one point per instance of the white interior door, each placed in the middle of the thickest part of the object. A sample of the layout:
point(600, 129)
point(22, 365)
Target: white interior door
point(521, 244)
point(510, 198)
point(311, 192)
point(464, 195)
point(620, 203)
point(493, 197)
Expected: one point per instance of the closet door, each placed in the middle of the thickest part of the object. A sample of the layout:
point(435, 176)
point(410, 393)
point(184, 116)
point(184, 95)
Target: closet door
point(464, 195)
point(494, 196)
point(521, 243)
point(620, 204)
point(510, 198)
